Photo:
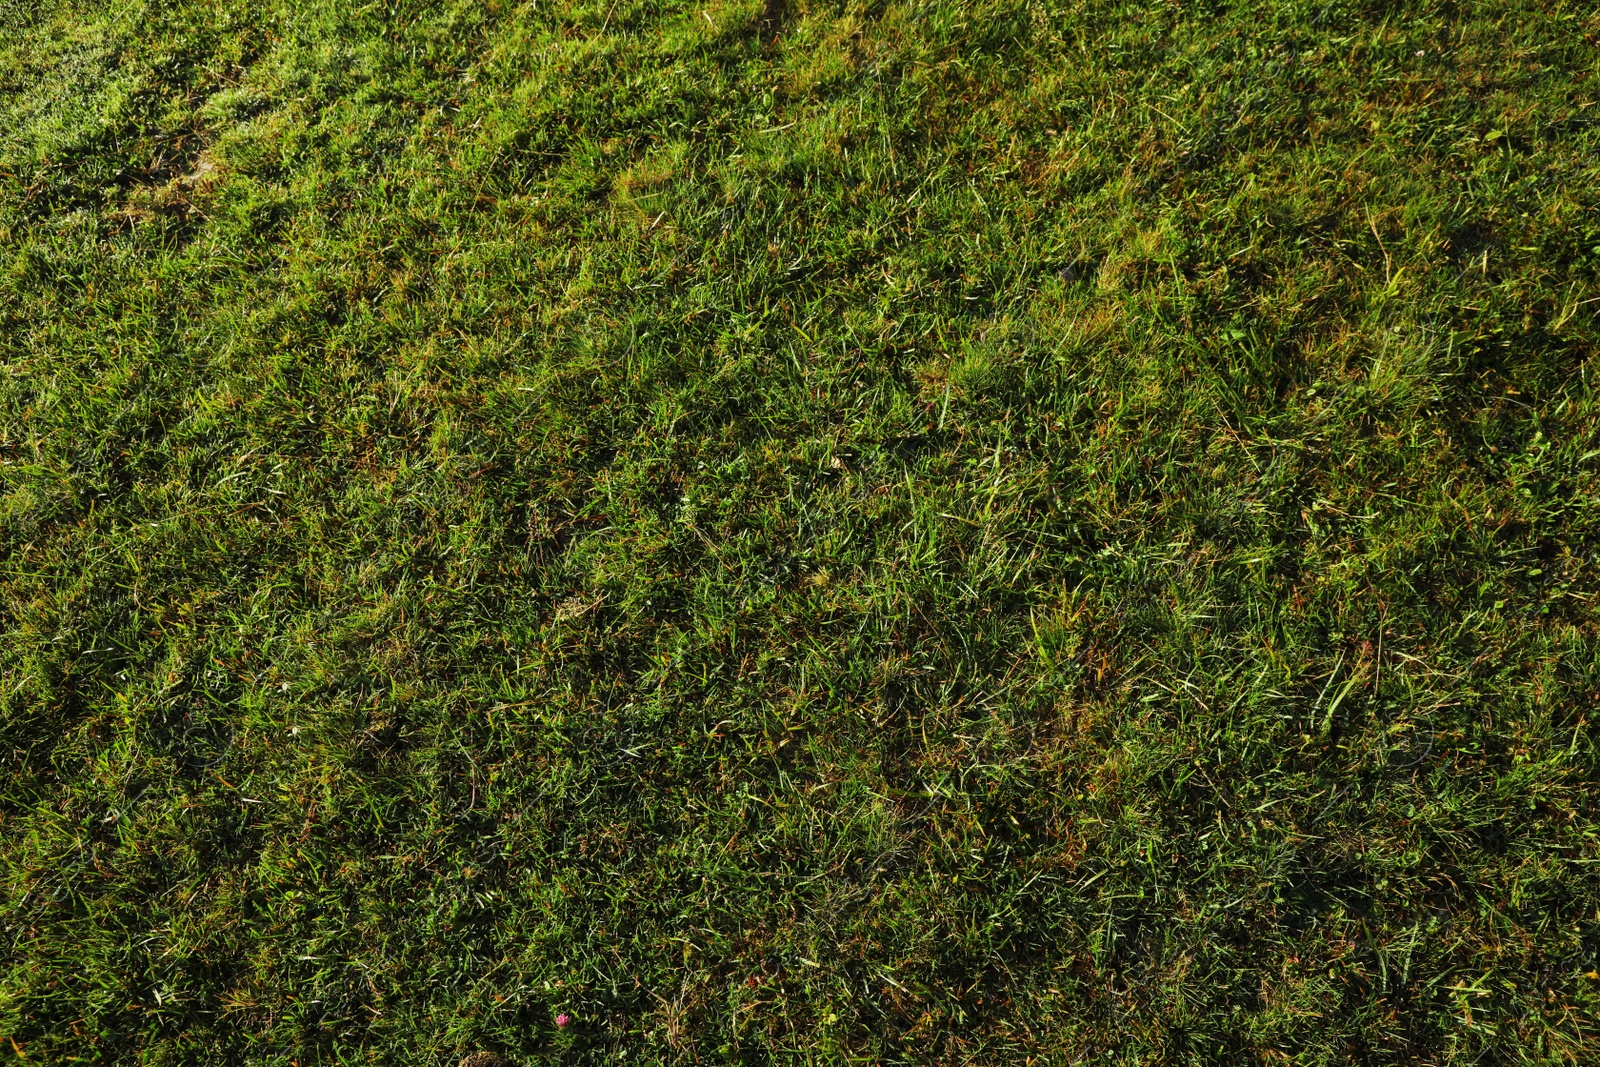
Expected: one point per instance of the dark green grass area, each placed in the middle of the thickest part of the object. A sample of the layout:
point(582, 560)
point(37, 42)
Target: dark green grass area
point(968, 532)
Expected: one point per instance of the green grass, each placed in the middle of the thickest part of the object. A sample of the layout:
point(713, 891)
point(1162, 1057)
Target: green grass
point(967, 532)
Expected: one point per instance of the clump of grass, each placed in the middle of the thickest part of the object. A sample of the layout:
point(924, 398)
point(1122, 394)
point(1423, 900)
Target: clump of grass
point(789, 532)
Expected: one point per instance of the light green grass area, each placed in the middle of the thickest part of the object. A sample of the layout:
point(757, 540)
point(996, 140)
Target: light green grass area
point(994, 532)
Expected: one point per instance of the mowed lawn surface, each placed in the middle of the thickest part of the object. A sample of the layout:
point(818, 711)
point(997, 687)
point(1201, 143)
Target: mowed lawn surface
point(967, 532)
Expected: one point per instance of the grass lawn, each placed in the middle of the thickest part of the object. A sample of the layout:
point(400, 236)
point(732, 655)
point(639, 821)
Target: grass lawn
point(993, 532)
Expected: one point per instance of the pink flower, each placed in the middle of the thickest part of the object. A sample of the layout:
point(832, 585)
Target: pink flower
point(562, 1020)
